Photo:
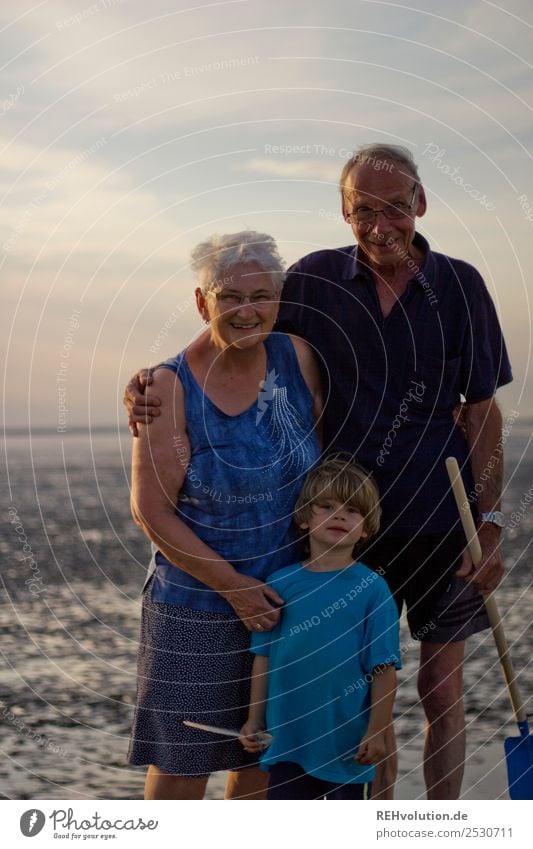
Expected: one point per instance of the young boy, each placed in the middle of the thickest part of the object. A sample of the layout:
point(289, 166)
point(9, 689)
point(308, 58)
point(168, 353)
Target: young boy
point(325, 675)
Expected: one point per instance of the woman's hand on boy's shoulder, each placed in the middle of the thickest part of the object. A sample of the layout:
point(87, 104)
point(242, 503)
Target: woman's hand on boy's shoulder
point(253, 602)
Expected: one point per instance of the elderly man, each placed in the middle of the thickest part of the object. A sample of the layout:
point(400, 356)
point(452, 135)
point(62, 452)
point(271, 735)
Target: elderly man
point(402, 334)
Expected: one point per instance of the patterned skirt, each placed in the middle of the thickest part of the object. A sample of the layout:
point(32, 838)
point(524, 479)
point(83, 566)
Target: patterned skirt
point(192, 664)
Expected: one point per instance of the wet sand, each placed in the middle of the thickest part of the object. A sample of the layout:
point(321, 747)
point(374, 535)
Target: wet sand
point(68, 689)
point(69, 637)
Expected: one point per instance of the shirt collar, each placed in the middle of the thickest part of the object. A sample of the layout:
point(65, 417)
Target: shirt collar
point(356, 265)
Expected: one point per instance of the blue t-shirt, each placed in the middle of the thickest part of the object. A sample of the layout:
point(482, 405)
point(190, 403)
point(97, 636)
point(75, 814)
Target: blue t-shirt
point(392, 383)
point(336, 627)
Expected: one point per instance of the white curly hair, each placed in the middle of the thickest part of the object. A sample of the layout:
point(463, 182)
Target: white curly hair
point(213, 258)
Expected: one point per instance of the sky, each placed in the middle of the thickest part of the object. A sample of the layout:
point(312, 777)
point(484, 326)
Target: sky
point(131, 131)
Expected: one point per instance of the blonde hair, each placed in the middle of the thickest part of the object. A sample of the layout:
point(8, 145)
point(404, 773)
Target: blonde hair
point(339, 478)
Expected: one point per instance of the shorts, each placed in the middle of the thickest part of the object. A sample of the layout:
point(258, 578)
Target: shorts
point(289, 781)
point(420, 571)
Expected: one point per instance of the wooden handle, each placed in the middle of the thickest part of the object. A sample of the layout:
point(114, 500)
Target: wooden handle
point(463, 505)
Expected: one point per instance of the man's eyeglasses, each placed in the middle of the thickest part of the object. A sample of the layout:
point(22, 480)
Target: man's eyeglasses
point(233, 299)
point(367, 215)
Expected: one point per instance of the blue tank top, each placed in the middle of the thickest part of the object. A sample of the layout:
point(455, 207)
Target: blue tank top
point(243, 478)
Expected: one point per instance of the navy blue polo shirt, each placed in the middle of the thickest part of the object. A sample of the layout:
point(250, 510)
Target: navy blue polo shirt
point(392, 383)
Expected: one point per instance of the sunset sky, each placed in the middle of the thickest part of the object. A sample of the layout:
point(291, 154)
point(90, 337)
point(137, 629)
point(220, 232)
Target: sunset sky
point(130, 131)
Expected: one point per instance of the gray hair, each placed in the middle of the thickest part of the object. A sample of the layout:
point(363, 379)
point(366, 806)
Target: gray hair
point(380, 157)
point(212, 259)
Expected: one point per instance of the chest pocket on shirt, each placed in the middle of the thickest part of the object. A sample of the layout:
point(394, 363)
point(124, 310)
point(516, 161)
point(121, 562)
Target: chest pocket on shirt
point(434, 383)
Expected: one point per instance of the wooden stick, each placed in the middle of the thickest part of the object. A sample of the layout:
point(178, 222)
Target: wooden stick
point(463, 505)
point(263, 736)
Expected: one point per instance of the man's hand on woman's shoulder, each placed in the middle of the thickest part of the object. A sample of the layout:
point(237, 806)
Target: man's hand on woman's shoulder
point(142, 406)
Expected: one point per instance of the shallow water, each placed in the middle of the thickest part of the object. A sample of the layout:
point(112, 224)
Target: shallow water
point(69, 622)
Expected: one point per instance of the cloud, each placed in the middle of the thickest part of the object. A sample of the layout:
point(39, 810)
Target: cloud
point(315, 169)
point(226, 115)
point(65, 199)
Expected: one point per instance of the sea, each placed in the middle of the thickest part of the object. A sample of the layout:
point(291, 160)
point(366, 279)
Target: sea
point(73, 565)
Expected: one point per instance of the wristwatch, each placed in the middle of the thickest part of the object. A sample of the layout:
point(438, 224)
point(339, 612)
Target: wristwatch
point(494, 517)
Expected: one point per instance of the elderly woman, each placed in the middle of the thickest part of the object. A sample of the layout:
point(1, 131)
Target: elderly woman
point(214, 482)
